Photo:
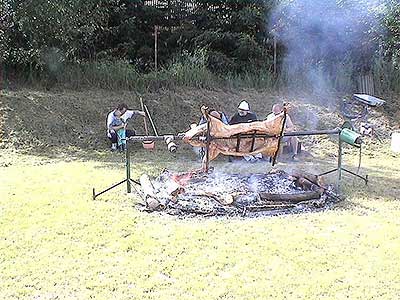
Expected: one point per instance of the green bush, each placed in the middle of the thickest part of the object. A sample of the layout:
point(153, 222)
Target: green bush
point(386, 75)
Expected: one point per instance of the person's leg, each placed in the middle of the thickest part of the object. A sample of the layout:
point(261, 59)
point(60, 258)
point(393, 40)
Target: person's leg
point(123, 139)
point(249, 158)
point(199, 152)
point(114, 140)
point(129, 133)
point(294, 144)
point(121, 136)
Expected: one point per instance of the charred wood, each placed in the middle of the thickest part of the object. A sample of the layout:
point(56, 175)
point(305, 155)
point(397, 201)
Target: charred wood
point(292, 198)
point(152, 202)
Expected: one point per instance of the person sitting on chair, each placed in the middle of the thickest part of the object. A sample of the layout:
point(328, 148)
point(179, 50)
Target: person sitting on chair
point(120, 115)
point(289, 126)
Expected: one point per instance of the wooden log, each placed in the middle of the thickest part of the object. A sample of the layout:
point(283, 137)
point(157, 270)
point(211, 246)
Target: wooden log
point(246, 199)
point(310, 177)
point(269, 207)
point(173, 188)
point(170, 188)
point(307, 181)
point(291, 198)
point(225, 199)
point(197, 204)
point(147, 186)
point(152, 202)
point(309, 185)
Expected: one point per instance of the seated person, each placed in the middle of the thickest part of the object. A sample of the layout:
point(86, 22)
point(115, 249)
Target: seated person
point(289, 126)
point(243, 115)
point(120, 112)
point(119, 127)
point(223, 138)
point(200, 151)
point(218, 114)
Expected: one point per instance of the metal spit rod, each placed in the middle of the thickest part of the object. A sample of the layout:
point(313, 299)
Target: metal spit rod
point(140, 138)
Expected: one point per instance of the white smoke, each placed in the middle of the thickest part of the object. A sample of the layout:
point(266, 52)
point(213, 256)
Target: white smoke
point(321, 36)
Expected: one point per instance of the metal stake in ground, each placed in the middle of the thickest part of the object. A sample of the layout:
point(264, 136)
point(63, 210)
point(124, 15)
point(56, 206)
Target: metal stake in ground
point(128, 178)
point(208, 137)
point(280, 136)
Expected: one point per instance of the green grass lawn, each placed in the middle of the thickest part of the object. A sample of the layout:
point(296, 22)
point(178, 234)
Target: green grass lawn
point(56, 243)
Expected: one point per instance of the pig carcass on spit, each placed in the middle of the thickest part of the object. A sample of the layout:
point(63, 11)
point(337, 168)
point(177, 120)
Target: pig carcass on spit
point(236, 145)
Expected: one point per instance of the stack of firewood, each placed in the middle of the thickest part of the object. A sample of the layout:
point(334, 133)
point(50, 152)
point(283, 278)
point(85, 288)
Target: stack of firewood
point(176, 192)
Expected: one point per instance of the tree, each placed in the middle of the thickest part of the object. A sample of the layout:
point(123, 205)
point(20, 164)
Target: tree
point(71, 27)
point(233, 32)
point(391, 41)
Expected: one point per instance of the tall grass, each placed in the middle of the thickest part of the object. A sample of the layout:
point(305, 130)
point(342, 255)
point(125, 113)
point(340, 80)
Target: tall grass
point(110, 75)
point(318, 78)
point(259, 80)
point(121, 75)
point(190, 70)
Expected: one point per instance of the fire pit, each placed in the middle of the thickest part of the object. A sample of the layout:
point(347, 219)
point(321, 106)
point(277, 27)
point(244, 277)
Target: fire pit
point(214, 194)
point(211, 194)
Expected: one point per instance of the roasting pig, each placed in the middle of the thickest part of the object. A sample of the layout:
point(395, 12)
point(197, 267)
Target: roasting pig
point(225, 139)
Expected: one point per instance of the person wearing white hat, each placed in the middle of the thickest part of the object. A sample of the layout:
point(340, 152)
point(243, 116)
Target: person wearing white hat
point(243, 115)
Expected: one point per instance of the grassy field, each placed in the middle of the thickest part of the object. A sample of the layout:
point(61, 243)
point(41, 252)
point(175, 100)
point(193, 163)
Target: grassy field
point(56, 243)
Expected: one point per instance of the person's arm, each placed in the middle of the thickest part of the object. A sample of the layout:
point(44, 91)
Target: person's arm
point(289, 124)
point(224, 119)
point(270, 116)
point(254, 117)
point(195, 131)
point(202, 120)
point(117, 127)
point(131, 113)
point(109, 120)
point(233, 120)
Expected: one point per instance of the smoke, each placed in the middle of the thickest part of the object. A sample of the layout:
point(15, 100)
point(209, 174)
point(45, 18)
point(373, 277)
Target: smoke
point(52, 60)
point(322, 38)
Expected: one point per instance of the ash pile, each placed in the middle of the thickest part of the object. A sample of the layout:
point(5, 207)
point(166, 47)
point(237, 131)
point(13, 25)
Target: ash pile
point(216, 194)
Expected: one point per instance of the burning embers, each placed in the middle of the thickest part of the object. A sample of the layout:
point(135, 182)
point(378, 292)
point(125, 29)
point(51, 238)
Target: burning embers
point(234, 194)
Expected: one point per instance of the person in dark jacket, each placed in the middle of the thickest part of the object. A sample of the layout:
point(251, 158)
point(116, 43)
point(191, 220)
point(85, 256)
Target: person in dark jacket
point(243, 115)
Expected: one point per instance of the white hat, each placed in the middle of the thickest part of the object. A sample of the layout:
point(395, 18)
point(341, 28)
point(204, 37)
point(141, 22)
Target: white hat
point(244, 105)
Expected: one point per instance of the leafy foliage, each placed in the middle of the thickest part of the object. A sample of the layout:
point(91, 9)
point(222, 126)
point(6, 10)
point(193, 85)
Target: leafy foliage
point(233, 36)
point(392, 23)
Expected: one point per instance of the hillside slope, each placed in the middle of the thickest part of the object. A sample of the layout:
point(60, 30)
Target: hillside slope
point(62, 119)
